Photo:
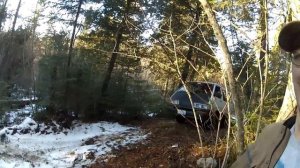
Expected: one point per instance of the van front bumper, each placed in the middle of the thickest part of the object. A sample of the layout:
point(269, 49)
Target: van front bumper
point(204, 114)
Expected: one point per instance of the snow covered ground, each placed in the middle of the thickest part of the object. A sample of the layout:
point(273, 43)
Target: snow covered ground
point(18, 115)
point(31, 144)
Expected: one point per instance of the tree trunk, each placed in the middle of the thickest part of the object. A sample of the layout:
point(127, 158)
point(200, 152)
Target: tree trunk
point(5, 64)
point(289, 103)
point(3, 13)
point(73, 33)
point(263, 58)
point(226, 65)
point(112, 60)
point(114, 54)
point(35, 19)
point(16, 16)
point(189, 55)
point(70, 52)
point(186, 67)
point(166, 88)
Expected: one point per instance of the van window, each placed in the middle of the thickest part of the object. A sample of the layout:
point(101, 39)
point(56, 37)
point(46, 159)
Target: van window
point(218, 92)
point(224, 95)
point(200, 88)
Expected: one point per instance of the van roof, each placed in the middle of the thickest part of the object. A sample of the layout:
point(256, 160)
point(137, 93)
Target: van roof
point(206, 82)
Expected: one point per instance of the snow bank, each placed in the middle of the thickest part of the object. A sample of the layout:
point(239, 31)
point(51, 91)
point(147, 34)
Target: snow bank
point(39, 145)
point(16, 116)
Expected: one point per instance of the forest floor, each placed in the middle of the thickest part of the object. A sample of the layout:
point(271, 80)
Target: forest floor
point(25, 143)
point(169, 144)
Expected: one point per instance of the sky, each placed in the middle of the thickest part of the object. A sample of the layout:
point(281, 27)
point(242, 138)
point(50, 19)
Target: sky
point(28, 7)
point(26, 12)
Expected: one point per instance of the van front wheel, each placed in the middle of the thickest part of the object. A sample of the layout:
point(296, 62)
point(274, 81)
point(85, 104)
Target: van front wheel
point(215, 120)
point(180, 119)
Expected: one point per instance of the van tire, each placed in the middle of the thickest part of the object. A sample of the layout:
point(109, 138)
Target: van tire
point(215, 120)
point(180, 119)
point(224, 121)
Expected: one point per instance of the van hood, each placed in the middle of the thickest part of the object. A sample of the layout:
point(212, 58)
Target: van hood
point(184, 101)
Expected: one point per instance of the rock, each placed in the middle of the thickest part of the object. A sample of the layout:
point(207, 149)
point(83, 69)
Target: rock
point(14, 131)
point(66, 124)
point(3, 137)
point(37, 129)
point(60, 128)
point(54, 129)
point(206, 163)
point(52, 124)
point(90, 155)
point(47, 127)
point(90, 141)
point(31, 124)
point(25, 131)
point(77, 160)
point(174, 146)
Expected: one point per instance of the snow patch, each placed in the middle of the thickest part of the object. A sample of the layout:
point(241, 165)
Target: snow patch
point(16, 116)
point(40, 146)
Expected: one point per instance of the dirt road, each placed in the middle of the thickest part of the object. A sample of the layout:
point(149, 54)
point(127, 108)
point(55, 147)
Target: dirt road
point(169, 145)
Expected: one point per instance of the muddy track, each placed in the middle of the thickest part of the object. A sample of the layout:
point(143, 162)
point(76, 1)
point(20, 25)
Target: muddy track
point(169, 145)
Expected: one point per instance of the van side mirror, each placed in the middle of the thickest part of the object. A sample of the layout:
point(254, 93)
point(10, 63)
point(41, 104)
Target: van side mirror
point(224, 95)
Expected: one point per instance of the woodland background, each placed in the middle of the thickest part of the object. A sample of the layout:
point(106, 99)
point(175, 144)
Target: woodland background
point(121, 59)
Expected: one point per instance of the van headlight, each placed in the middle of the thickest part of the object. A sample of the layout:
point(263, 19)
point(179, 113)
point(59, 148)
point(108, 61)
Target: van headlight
point(175, 101)
point(201, 106)
point(205, 107)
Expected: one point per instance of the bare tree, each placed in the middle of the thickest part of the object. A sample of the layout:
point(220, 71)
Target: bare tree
point(226, 66)
point(263, 58)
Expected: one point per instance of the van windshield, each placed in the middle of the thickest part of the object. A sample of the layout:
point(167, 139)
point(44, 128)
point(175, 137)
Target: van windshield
point(200, 88)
